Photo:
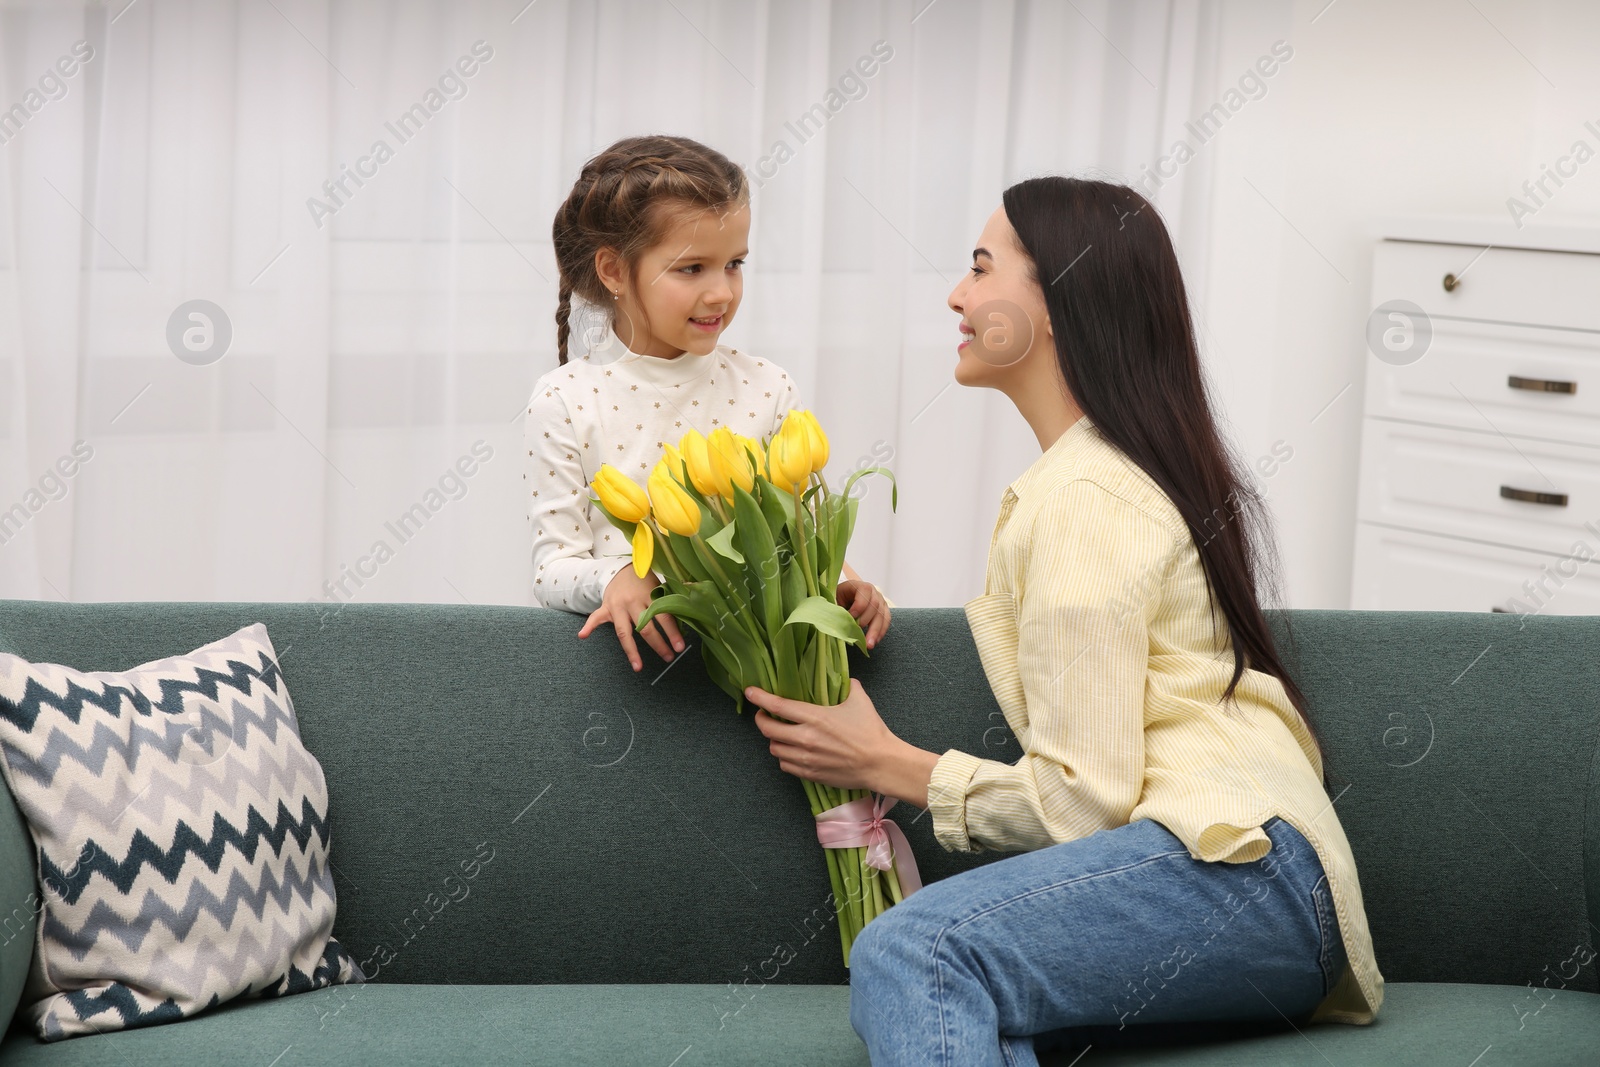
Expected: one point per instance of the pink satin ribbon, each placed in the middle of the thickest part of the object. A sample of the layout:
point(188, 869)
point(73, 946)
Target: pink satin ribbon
point(861, 822)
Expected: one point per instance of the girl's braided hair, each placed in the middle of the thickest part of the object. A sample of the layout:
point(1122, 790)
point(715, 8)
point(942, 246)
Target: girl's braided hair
point(623, 200)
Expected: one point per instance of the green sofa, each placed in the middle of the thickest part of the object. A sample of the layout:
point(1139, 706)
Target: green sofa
point(653, 892)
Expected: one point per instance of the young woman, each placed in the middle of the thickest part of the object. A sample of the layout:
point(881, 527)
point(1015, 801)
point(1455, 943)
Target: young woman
point(654, 232)
point(1183, 862)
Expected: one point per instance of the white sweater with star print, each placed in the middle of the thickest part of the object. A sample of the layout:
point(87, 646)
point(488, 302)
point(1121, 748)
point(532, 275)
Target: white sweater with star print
point(613, 405)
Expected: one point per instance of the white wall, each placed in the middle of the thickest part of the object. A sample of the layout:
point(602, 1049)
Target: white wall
point(1388, 107)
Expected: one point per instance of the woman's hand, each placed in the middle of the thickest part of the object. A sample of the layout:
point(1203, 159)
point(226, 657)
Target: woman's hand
point(847, 746)
point(866, 603)
point(626, 597)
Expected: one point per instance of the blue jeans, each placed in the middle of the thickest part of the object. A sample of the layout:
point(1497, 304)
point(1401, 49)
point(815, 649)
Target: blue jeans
point(1092, 941)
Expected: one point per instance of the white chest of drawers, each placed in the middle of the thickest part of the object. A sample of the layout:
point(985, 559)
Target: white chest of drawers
point(1480, 457)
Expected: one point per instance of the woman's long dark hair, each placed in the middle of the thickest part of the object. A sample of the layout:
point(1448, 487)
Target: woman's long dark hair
point(1125, 343)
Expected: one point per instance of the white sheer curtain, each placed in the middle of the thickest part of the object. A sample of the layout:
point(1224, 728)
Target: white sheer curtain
point(359, 438)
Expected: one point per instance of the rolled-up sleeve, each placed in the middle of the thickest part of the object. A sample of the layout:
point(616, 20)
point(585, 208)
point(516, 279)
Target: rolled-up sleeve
point(947, 800)
point(1088, 584)
point(567, 572)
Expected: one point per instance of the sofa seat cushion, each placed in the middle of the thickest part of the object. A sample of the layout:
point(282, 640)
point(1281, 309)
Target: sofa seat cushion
point(702, 1025)
point(533, 1025)
point(1419, 1023)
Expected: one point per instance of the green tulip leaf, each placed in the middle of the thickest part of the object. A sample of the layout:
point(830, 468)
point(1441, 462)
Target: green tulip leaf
point(894, 488)
point(722, 543)
point(709, 523)
point(794, 585)
point(839, 529)
point(777, 506)
point(701, 607)
point(760, 556)
point(718, 671)
point(683, 551)
point(786, 663)
point(677, 605)
point(808, 668)
point(716, 614)
point(828, 618)
point(730, 625)
point(824, 562)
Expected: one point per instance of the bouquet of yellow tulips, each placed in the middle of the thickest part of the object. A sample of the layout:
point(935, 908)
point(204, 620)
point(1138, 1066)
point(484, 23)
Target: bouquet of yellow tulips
point(750, 541)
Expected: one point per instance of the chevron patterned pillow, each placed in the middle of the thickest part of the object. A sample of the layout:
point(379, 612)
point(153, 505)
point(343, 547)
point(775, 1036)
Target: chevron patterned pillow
point(182, 837)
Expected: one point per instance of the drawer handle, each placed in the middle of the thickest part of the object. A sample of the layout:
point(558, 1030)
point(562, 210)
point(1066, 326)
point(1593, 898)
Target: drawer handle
point(1542, 385)
point(1450, 283)
point(1530, 496)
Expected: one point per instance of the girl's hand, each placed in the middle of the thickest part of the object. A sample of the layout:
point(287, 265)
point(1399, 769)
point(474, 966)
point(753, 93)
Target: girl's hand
point(625, 599)
point(845, 746)
point(866, 603)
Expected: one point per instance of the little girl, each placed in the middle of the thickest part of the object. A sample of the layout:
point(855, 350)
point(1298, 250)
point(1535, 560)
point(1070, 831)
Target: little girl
point(653, 239)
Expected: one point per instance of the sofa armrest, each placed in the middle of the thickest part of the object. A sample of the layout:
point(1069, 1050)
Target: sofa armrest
point(19, 905)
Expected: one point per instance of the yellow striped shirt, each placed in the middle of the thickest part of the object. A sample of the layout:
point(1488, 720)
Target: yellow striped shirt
point(1101, 646)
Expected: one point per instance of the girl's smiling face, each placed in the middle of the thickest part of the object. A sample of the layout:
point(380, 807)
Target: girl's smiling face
point(684, 290)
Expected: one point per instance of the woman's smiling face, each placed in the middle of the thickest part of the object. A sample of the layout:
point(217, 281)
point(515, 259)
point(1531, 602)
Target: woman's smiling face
point(685, 288)
point(1003, 315)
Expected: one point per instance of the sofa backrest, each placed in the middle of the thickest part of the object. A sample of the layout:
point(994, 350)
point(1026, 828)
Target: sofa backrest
point(18, 904)
point(511, 804)
point(19, 917)
point(1463, 748)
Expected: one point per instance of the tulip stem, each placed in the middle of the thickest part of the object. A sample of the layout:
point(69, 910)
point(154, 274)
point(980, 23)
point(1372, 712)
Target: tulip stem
point(831, 855)
point(664, 551)
point(895, 892)
point(823, 695)
point(863, 890)
point(804, 542)
point(710, 559)
point(850, 865)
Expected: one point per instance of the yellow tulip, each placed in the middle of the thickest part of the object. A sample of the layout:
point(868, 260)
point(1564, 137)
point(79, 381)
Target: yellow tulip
point(620, 495)
point(789, 457)
point(758, 458)
point(674, 508)
point(730, 463)
point(673, 460)
point(696, 456)
point(816, 439)
point(793, 425)
point(644, 549)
